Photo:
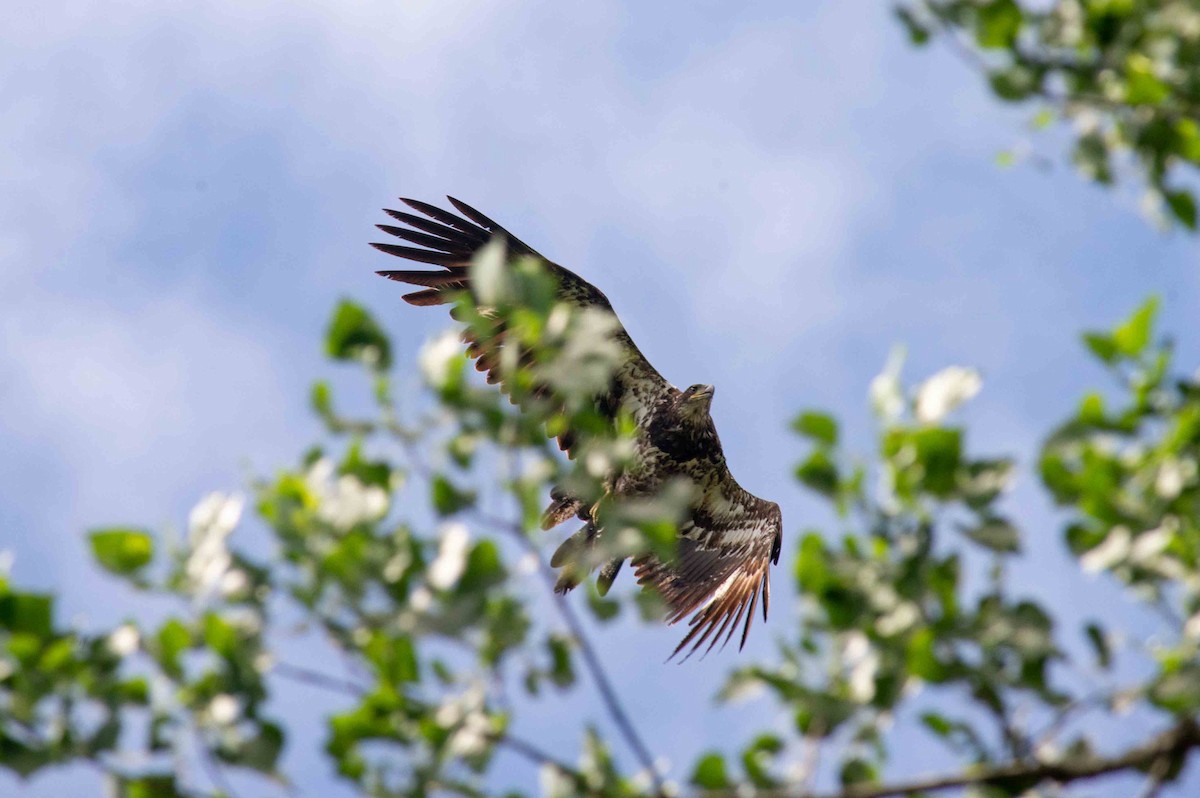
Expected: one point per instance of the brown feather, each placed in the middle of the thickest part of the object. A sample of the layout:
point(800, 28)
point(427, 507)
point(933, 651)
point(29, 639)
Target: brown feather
point(424, 255)
point(473, 239)
point(425, 240)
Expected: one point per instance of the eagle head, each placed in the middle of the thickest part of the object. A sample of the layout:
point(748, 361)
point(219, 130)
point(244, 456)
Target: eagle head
point(697, 400)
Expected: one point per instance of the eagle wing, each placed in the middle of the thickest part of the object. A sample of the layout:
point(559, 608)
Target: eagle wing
point(450, 241)
point(725, 551)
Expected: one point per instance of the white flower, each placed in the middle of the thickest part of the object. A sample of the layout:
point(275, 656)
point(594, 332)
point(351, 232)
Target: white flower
point(124, 640)
point(584, 365)
point(863, 660)
point(209, 524)
point(898, 620)
point(1112, 551)
point(451, 558)
point(489, 273)
point(1149, 545)
point(945, 391)
point(438, 357)
point(350, 502)
point(887, 399)
point(472, 736)
point(234, 582)
point(345, 501)
point(224, 709)
point(1173, 476)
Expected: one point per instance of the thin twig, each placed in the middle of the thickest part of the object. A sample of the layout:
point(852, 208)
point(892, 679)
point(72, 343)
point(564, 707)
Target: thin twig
point(591, 659)
point(216, 774)
point(296, 673)
point(608, 695)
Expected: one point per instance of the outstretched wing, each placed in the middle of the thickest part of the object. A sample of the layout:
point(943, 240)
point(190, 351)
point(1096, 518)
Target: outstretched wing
point(450, 241)
point(723, 566)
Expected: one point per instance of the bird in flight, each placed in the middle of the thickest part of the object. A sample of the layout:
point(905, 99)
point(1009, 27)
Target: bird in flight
point(728, 537)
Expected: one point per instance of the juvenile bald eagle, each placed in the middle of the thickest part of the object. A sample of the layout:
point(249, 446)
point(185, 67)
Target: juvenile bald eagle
point(729, 536)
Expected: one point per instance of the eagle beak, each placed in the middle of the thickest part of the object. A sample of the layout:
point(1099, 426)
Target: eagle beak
point(704, 394)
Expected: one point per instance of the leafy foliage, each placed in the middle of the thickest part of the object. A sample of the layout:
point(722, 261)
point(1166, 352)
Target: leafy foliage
point(409, 544)
point(1122, 73)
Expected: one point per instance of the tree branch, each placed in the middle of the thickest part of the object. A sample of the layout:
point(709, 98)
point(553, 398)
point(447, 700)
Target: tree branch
point(1175, 742)
point(591, 659)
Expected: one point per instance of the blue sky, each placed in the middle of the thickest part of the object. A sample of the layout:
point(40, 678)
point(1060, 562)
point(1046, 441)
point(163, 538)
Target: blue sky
point(771, 195)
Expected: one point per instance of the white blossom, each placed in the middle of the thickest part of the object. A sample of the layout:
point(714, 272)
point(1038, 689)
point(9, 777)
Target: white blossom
point(1173, 476)
point(489, 273)
point(863, 661)
point(944, 391)
point(124, 640)
point(344, 501)
point(887, 397)
point(224, 709)
point(438, 356)
point(1112, 551)
point(209, 525)
point(451, 558)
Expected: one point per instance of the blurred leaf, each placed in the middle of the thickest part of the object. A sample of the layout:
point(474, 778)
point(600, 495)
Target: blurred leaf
point(1099, 643)
point(998, 23)
point(918, 34)
point(995, 534)
point(1103, 346)
point(122, 551)
point(27, 613)
point(448, 499)
point(1183, 207)
point(157, 786)
point(709, 772)
point(1132, 336)
point(820, 427)
point(818, 473)
point(354, 335)
point(1178, 691)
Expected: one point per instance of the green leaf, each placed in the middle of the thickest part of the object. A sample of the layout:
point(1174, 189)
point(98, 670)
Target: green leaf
point(921, 658)
point(858, 771)
point(602, 608)
point(122, 551)
point(1178, 691)
point(1099, 642)
point(818, 473)
point(448, 499)
point(161, 786)
point(997, 24)
point(354, 335)
point(757, 758)
point(1183, 206)
point(484, 568)
point(819, 427)
point(918, 34)
point(394, 657)
point(173, 639)
point(709, 773)
point(1102, 346)
point(995, 534)
point(260, 752)
point(562, 674)
point(1142, 86)
point(27, 613)
point(1133, 335)
point(1013, 83)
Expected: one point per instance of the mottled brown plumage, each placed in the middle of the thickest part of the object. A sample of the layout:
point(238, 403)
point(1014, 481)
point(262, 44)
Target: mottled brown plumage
point(729, 537)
